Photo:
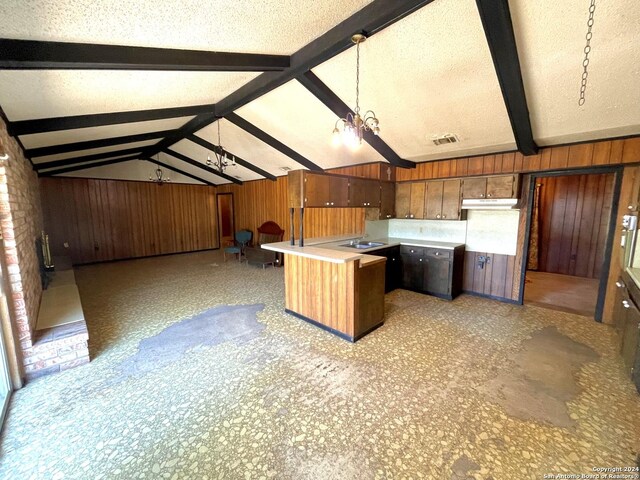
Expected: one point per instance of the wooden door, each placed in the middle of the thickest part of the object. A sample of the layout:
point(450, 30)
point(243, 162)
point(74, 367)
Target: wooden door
point(474, 187)
point(433, 201)
point(437, 276)
point(338, 191)
point(225, 219)
point(501, 187)
point(364, 192)
point(412, 272)
point(451, 200)
point(387, 200)
point(317, 190)
point(403, 200)
point(416, 207)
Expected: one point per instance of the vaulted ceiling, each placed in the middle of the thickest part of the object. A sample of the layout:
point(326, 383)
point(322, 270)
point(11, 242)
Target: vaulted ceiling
point(501, 75)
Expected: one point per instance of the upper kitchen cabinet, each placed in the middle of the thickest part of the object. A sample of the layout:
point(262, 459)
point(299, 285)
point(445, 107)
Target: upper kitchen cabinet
point(364, 192)
point(387, 200)
point(498, 186)
point(410, 200)
point(442, 200)
point(310, 189)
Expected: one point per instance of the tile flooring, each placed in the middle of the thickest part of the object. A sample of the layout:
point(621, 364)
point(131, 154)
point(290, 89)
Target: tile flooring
point(444, 390)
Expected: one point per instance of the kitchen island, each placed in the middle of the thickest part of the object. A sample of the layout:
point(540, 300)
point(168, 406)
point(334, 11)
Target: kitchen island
point(338, 287)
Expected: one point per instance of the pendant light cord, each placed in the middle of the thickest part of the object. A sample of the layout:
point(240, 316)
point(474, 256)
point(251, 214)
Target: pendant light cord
point(357, 78)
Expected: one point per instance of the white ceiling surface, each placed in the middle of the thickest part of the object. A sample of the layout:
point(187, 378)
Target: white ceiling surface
point(131, 170)
point(428, 75)
point(50, 169)
point(295, 117)
point(107, 131)
point(267, 26)
point(551, 38)
point(82, 153)
point(29, 94)
point(248, 147)
point(199, 154)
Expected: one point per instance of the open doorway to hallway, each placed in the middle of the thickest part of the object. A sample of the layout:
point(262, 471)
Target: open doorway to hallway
point(225, 219)
point(570, 223)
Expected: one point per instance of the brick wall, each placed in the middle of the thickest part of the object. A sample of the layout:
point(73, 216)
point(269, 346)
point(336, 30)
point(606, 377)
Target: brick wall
point(21, 224)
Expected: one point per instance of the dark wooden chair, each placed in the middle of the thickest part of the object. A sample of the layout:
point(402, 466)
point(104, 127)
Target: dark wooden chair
point(268, 232)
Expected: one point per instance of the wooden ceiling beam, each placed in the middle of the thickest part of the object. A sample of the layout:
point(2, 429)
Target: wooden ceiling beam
point(221, 151)
point(498, 28)
point(323, 93)
point(87, 158)
point(103, 142)
point(202, 166)
point(181, 172)
point(33, 54)
point(54, 124)
point(272, 142)
point(84, 166)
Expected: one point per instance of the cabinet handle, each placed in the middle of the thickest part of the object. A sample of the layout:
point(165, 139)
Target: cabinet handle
point(412, 251)
point(388, 216)
point(326, 203)
point(630, 207)
point(488, 194)
point(626, 304)
point(411, 216)
point(437, 253)
point(406, 216)
point(420, 259)
point(482, 195)
point(444, 216)
point(331, 203)
point(620, 284)
point(438, 216)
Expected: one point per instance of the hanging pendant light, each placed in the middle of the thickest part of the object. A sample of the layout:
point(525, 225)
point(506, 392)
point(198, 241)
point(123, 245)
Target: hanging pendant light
point(354, 125)
point(158, 175)
point(222, 159)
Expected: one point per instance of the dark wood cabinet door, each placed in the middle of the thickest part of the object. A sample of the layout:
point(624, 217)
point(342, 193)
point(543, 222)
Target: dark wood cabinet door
point(364, 192)
point(451, 200)
point(474, 187)
point(412, 272)
point(403, 200)
point(338, 191)
point(630, 337)
point(433, 201)
point(416, 207)
point(501, 187)
point(387, 200)
point(317, 190)
point(393, 268)
point(437, 276)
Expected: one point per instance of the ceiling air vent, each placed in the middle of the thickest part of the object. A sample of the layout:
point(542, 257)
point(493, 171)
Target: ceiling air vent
point(445, 139)
point(285, 169)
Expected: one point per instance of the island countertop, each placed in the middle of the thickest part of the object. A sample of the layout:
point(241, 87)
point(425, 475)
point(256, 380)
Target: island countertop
point(332, 249)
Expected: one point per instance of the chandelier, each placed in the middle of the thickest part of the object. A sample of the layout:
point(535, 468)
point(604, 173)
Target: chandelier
point(221, 162)
point(160, 179)
point(354, 126)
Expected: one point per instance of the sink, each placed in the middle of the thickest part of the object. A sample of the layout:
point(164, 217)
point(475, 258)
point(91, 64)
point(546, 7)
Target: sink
point(363, 245)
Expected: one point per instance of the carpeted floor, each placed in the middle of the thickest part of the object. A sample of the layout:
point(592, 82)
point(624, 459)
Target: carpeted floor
point(562, 292)
point(445, 390)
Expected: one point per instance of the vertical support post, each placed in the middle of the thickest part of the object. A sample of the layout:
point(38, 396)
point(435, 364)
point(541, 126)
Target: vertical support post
point(291, 225)
point(301, 227)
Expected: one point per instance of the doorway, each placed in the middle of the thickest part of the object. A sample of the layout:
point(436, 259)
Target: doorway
point(569, 241)
point(225, 219)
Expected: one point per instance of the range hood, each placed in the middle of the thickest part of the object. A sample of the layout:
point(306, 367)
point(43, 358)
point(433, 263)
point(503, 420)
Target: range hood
point(490, 204)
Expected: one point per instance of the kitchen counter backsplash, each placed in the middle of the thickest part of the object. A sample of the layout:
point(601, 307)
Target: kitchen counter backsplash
point(483, 231)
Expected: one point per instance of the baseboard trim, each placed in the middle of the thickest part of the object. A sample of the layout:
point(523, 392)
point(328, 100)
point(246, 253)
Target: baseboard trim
point(492, 297)
point(338, 333)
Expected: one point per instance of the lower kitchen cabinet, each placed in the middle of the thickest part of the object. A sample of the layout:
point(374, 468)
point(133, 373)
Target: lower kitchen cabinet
point(434, 271)
point(627, 318)
point(393, 268)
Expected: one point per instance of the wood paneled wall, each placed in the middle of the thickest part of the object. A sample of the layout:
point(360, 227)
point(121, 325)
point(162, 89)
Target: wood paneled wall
point(261, 200)
point(553, 158)
point(494, 278)
point(113, 219)
point(574, 220)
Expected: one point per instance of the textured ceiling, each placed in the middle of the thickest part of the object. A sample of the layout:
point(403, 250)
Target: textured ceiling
point(107, 131)
point(551, 38)
point(266, 26)
point(132, 170)
point(27, 94)
point(425, 76)
point(248, 147)
point(299, 120)
point(199, 154)
point(81, 153)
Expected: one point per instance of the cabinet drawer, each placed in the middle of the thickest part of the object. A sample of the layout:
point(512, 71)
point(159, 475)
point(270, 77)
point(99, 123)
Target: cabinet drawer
point(437, 253)
point(412, 251)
